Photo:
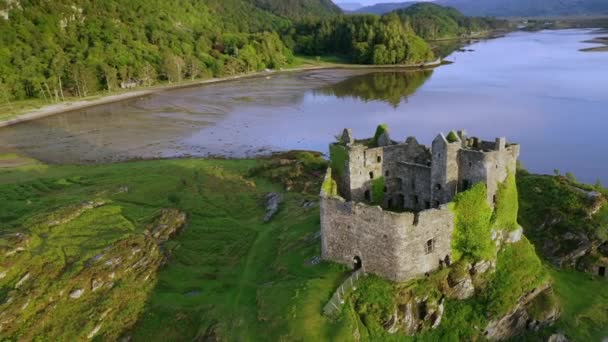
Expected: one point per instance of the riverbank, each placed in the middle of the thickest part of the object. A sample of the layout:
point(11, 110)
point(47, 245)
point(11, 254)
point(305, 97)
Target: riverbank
point(13, 118)
point(597, 40)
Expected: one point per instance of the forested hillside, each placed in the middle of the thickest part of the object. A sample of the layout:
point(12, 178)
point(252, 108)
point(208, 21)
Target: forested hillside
point(366, 39)
point(507, 8)
point(78, 48)
point(298, 9)
point(432, 21)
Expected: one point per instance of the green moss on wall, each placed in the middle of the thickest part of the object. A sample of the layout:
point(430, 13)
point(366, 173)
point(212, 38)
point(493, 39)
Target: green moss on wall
point(472, 237)
point(378, 190)
point(452, 137)
point(329, 187)
point(507, 205)
point(338, 157)
point(379, 131)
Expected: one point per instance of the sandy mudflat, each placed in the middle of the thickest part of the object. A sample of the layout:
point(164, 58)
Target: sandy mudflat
point(597, 40)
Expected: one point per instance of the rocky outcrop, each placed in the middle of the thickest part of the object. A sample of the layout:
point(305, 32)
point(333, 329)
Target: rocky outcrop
point(519, 318)
point(273, 200)
point(558, 338)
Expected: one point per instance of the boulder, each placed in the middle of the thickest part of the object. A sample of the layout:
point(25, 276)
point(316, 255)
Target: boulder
point(273, 200)
point(76, 293)
point(558, 338)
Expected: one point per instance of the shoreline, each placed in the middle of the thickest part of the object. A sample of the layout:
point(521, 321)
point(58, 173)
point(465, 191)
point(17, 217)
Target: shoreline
point(70, 106)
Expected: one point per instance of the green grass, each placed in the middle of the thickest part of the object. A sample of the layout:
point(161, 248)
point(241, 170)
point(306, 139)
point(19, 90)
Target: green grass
point(229, 274)
point(584, 302)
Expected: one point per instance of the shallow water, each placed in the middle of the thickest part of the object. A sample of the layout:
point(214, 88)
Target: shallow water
point(537, 89)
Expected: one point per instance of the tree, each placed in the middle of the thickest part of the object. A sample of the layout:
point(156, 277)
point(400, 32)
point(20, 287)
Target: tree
point(173, 67)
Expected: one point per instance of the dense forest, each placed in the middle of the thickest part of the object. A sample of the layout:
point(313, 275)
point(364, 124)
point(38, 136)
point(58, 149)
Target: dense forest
point(432, 21)
point(55, 49)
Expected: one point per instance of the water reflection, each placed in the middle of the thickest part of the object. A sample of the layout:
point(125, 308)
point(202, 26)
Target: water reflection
point(392, 87)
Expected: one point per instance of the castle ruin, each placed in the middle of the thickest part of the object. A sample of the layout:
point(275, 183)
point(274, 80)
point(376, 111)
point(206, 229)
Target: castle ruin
point(390, 213)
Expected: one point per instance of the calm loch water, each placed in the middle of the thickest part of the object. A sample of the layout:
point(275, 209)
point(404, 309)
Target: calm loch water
point(537, 89)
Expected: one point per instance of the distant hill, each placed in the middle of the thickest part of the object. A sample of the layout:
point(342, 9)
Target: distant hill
point(431, 21)
point(507, 8)
point(383, 8)
point(297, 9)
point(350, 6)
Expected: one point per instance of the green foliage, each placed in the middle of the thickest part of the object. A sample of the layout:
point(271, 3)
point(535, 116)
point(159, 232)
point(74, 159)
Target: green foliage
point(338, 158)
point(363, 39)
point(388, 86)
point(431, 21)
point(507, 205)
point(381, 129)
point(518, 271)
point(374, 301)
point(584, 303)
point(472, 230)
point(554, 203)
point(329, 187)
point(452, 137)
point(543, 306)
point(378, 185)
point(52, 50)
point(299, 9)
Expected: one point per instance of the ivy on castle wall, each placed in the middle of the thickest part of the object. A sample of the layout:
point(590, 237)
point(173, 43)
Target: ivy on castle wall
point(507, 205)
point(338, 157)
point(329, 186)
point(472, 237)
point(378, 190)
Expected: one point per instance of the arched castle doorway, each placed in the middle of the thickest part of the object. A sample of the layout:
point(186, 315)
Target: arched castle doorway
point(357, 263)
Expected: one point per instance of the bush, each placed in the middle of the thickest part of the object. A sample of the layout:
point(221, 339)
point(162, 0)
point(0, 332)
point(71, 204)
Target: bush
point(472, 237)
point(378, 190)
point(507, 205)
point(452, 137)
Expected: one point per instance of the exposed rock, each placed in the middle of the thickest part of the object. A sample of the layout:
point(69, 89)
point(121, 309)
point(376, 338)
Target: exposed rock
point(460, 282)
point(96, 285)
point(392, 325)
point(384, 139)
point(409, 323)
point(94, 331)
point(482, 267)
point(3, 274)
point(308, 204)
point(463, 289)
point(76, 293)
point(439, 314)
point(515, 236)
point(22, 280)
point(68, 214)
point(273, 200)
point(516, 321)
point(558, 338)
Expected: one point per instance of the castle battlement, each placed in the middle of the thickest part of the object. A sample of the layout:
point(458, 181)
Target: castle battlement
point(389, 211)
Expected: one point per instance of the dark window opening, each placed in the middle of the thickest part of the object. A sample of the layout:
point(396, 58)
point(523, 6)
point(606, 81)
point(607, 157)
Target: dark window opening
point(466, 184)
point(439, 155)
point(428, 205)
point(385, 189)
point(436, 205)
point(430, 246)
point(357, 263)
point(368, 195)
point(413, 185)
point(386, 173)
point(390, 203)
point(416, 199)
point(379, 159)
point(602, 271)
point(470, 164)
point(401, 201)
point(447, 261)
point(494, 199)
point(371, 175)
point(438, 186)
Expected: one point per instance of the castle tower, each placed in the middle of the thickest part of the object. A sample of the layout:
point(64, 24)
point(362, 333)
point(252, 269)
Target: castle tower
point(444, 169)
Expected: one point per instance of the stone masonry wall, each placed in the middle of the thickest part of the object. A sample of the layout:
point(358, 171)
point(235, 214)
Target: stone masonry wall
point(391, 245)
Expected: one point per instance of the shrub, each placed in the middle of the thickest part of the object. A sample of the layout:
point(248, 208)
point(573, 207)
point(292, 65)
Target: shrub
point(452, 137)
point(507, 205)
point(472, 235)
point(338, 158)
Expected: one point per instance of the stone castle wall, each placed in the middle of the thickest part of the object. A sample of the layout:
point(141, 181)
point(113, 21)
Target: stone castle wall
point(391, 245)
